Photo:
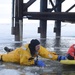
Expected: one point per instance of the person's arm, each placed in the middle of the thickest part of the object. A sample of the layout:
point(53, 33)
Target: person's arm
point(26, 60)
point(30, 61)
point(43, 52)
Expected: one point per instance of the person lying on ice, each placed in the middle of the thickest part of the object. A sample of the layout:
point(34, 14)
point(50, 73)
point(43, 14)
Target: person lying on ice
point(25, 55)
point(71, 52)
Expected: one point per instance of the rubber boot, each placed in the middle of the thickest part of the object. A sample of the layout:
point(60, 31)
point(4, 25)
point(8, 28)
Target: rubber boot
point(8, 49)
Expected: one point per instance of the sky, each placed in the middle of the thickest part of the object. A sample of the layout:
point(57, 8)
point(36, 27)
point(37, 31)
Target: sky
point(5, 11)
point(6, 8)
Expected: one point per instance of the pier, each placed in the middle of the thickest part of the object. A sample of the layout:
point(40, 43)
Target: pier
point(20, 12)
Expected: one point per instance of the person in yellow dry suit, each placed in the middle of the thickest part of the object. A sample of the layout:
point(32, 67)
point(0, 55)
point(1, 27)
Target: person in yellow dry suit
point(25, 54)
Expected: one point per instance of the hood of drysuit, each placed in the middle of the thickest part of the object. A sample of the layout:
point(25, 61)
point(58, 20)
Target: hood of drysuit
point(32, 45)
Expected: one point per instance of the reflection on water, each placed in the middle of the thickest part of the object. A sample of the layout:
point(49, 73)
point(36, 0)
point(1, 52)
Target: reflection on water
point(60, 46)
point(57, 45)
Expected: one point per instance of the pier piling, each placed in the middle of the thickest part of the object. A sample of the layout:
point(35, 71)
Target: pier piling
point(20, 9)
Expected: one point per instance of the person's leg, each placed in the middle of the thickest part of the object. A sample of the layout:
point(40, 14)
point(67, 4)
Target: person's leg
point(12, 56)
point(8, 49)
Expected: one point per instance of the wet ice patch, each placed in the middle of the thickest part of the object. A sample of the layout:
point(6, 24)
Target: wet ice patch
point(36, 70)
point(9, 72)
point(29, 73)
point(31, 70)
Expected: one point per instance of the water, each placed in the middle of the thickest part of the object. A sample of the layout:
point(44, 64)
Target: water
point(60, 46)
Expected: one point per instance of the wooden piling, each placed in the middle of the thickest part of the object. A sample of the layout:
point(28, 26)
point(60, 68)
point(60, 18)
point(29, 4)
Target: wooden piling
point(17, 28)
point(58, 22)
point(20, 10)
point(43, 23)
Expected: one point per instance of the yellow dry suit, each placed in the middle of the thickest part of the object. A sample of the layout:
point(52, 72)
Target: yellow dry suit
point(22, 55)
